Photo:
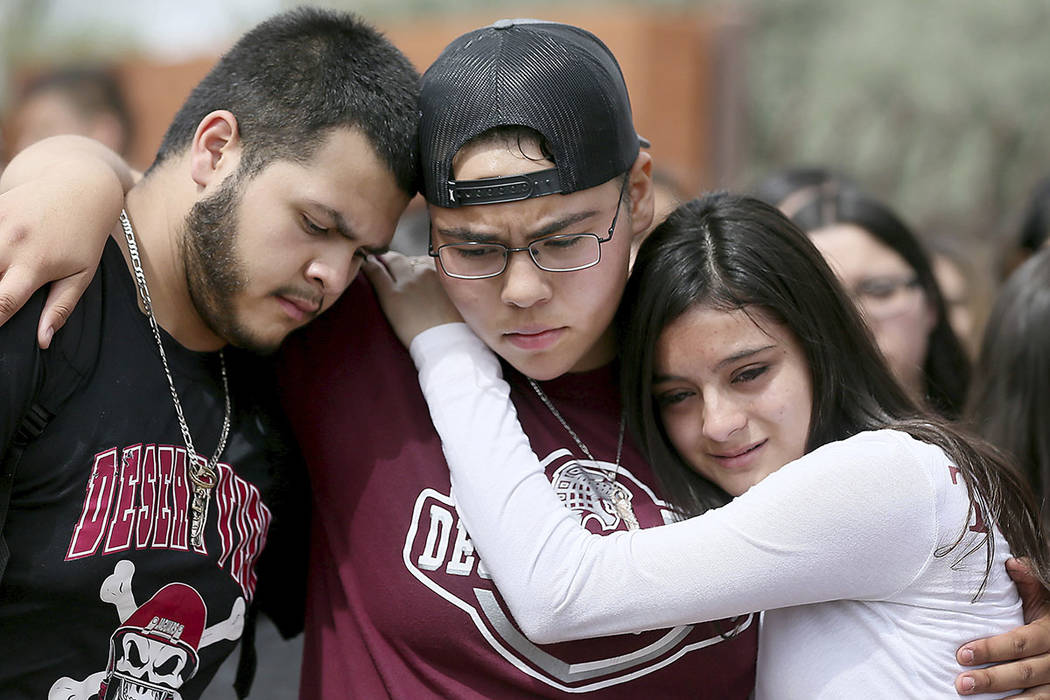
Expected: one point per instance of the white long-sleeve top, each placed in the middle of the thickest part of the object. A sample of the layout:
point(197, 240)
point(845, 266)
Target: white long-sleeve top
point(840, 548)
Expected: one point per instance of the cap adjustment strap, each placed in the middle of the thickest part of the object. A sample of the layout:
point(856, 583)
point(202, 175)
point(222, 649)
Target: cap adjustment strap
point(512, 188)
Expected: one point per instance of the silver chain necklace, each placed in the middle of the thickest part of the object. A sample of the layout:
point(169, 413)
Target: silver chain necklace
point(202, 474)
point(606, 490)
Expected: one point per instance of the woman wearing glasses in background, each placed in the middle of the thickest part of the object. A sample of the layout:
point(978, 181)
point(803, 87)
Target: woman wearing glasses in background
point(887, 272)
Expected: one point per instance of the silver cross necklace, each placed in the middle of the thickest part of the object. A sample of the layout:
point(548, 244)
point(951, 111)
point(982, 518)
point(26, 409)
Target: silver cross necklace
point(606, 490)
point(202, 474)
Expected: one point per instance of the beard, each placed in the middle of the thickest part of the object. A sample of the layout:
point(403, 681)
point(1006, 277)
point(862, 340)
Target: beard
point(215, 275)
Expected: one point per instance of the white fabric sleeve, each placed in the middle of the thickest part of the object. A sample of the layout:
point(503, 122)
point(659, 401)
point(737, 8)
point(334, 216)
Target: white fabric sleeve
point(853, 520)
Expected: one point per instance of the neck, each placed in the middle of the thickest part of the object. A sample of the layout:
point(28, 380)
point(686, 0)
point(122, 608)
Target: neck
point(601, 353)
point(157, 208)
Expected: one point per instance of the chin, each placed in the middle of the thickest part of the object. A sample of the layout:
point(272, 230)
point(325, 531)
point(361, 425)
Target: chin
point(537, 367)
point(256, 343)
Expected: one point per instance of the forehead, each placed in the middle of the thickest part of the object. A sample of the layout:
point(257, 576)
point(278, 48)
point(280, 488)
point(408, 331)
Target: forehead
point(710, 334)
point(343, 174)
point(502, 157)
point(853, 253)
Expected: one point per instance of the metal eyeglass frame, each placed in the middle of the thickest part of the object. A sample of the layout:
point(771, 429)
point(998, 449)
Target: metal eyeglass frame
point(532, 256)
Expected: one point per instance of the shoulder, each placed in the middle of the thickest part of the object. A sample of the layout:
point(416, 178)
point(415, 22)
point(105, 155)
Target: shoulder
point(883, 466)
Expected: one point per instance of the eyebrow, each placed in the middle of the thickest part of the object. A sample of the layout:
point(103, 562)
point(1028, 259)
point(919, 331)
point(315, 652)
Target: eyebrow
point(461, 233)
point(735, 357)
point(344, 229)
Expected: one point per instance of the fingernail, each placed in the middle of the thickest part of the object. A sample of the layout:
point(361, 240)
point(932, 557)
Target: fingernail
point(966, 656)
point(48, 332)
point(968, 684)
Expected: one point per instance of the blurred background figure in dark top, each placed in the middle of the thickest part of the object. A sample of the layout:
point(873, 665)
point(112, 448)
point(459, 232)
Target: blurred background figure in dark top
point(1009, 404)
point(1034, 229)
point(71, 100)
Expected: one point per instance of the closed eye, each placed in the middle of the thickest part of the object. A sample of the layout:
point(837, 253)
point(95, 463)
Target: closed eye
point(750, 374)
point(475, 251)
point(310, 227)
point(565, 241)
point(670, 398)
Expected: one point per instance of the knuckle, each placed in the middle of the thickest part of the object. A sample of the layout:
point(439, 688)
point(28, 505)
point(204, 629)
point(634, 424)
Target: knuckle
point(15, 232)
point(61, 312)
point(1019, 645)
point(8, 305)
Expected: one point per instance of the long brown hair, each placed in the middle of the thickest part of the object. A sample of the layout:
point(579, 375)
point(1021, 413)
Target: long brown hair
point(733, 252)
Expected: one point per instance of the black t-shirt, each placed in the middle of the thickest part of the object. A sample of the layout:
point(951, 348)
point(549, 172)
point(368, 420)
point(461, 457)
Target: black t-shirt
point(103, 585)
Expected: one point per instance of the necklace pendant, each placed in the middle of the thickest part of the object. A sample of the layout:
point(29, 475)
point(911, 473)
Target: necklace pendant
point(198, 515)
point(622, 506)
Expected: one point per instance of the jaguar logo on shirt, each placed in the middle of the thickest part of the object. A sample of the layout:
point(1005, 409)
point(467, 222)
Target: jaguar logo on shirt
point(439, 553)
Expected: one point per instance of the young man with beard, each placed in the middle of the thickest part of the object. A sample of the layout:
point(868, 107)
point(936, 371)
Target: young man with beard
point(137, 515)
point(537, 187)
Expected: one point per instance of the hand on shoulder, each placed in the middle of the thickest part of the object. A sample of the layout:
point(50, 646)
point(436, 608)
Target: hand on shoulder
point(410, 294)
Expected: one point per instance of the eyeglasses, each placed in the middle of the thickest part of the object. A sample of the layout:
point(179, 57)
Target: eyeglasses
point(563, 252)
point(880, 298)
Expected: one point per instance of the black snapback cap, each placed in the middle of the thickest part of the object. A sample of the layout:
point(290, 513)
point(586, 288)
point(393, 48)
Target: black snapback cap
point(559, 80)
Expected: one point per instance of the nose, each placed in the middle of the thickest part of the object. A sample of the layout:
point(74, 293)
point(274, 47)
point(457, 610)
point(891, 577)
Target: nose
point(333, 268)
point(723, 416)
point(524, 284)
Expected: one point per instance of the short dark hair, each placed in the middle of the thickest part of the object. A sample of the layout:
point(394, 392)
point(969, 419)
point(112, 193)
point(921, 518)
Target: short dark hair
point(91, 90)
point(296, 76)
point(946, 367)
point(738, 253)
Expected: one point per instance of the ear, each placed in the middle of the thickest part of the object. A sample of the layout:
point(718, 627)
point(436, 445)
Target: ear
point(215, 151)
point(640, 193)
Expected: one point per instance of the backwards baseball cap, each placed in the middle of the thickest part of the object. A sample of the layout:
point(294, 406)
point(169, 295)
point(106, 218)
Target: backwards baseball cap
point(559, 80)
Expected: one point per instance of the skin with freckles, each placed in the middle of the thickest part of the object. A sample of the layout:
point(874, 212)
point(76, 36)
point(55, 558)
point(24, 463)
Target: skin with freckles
point(734, 394)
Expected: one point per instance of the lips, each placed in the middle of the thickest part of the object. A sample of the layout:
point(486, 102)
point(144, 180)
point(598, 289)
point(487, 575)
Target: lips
point(739, 457)
point(534, 338)
point(299, 309)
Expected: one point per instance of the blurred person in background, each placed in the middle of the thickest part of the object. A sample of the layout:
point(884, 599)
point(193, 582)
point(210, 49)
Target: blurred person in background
point(1009, 403)
point(87, 101)
point(789, 188)
point(963, 293)
point(886, 270)
point(1034, 230)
